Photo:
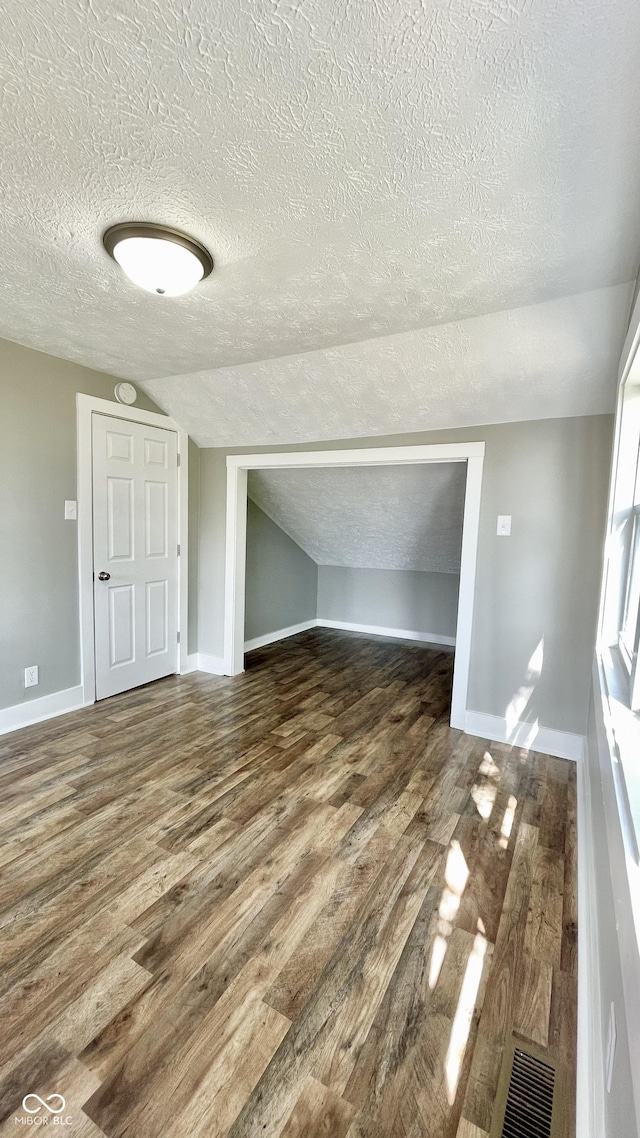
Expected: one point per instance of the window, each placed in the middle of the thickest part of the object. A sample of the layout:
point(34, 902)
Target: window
point(619, 634)
point(621, 620)
point(630, 622)
point(628, 640)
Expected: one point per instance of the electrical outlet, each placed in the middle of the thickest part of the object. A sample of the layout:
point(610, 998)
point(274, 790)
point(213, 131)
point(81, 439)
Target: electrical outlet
point(610, 1051)
point(31, 676)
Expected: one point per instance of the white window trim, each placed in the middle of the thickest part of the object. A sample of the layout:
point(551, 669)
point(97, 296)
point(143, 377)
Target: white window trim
point(86, 406)
point(617, 764)
point(238, 466)
point(614, 677)
point(623, 740)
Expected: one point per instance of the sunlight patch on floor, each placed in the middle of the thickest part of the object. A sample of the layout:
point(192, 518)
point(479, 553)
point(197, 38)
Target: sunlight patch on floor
point(507, 822)
point(464, 1015)
point(456, 876)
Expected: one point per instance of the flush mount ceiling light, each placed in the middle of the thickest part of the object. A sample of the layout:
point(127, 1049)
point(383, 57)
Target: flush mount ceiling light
point(158, 258)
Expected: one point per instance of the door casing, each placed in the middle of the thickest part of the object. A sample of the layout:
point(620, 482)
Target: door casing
point(86, 406)
point(238, 465)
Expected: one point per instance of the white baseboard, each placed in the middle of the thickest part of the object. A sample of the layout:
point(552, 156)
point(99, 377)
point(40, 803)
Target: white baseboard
point(280, 634)
point(560, 744)
point(379, 630)
point(36, 710)
point(212, 664)
point(72, 699)
point(346, 626)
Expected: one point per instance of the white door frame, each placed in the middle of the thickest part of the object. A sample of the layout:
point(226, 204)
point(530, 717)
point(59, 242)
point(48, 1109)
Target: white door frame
point(236, 533)
point(86, 406)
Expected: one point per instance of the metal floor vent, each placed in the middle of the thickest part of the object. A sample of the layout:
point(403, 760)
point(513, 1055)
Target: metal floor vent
point(528, 1089)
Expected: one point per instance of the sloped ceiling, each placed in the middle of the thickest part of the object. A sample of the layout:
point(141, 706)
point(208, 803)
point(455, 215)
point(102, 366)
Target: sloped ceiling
point(359, 171)
point(401, 517)
point(551, 360)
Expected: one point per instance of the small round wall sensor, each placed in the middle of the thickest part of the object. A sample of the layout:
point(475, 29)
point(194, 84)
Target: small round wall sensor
point(125, 393)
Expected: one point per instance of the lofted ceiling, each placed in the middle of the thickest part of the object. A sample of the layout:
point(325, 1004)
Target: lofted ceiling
point(369, 517)
point(360, 172)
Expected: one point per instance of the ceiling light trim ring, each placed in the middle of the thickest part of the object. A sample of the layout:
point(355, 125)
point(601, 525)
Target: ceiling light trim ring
point(125, 229)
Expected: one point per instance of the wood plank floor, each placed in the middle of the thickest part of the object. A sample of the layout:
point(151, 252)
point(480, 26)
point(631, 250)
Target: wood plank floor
point(294, 903)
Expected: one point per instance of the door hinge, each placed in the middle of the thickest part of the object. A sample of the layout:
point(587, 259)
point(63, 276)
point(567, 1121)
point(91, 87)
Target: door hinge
point(178, 550)
point(178, 460)
point(178, 637)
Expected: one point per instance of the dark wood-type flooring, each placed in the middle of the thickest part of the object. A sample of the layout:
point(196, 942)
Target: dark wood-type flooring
point(294, 903)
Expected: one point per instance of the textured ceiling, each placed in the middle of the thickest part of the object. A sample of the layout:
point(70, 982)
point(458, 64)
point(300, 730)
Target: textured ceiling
point(546, 361)
point(401, 517)
point(357, 170)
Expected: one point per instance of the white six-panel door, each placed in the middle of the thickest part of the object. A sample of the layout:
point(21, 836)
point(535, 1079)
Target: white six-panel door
point(135, 553)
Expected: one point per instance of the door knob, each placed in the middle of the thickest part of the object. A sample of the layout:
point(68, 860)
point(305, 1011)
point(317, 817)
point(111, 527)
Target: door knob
point(104, 576)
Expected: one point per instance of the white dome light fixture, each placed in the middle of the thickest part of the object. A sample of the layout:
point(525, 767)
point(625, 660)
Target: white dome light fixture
point(157, 258)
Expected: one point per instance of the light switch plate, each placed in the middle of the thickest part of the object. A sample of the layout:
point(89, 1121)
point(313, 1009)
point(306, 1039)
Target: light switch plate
point(504, 525)
point(71, 511)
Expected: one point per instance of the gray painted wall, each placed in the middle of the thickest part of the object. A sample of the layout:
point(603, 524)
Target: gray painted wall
point(551, 475)
point(284, 586)
point(281, 581)
point(392, 598)
point(39, 621)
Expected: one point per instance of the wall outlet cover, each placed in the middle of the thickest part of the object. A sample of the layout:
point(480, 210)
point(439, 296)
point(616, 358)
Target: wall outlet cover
point(31, 676)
